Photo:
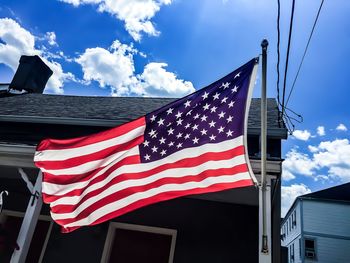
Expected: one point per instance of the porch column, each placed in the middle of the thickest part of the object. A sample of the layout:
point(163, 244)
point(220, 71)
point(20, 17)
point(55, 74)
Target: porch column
point(29, 223)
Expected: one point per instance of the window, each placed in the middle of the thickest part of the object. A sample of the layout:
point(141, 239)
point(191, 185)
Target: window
point(283, 234)
point(11, 222)
point(295, 219)
point(290, 225)
point(310, 251)
point(126, 243)
point(291, 252)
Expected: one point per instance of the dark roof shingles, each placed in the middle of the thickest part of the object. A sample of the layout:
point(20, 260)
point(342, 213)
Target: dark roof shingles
point(120, 109)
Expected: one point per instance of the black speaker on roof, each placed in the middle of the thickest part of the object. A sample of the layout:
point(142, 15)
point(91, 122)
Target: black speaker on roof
point(31, 75)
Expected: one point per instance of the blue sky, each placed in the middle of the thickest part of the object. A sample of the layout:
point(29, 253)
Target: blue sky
point(172, 47)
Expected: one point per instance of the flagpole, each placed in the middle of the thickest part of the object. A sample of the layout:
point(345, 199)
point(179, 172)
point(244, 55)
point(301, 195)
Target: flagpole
point(264, 195)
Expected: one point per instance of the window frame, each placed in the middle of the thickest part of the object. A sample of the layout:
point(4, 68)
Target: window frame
point(295, 218)
point(42, 218)
point(291, 253)
point(314, 250)
point(133, 227)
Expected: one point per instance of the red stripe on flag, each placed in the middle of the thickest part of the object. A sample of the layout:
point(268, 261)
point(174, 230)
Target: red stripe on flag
point(69, 179)
point(188, 162)
point(100, 155)
point(58, 144)
point(169, 180)
point(129, 191)
point(159, 198)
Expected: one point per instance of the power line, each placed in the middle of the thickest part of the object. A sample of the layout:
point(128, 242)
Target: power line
point(287, 57)
point(278, 56)
point(306, 48)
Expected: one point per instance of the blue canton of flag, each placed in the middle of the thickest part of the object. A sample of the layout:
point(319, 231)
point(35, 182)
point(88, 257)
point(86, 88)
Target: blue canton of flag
point(210, 115)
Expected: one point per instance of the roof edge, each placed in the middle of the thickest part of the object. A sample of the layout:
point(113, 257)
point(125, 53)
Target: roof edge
point(280, 133)
point(324, 200)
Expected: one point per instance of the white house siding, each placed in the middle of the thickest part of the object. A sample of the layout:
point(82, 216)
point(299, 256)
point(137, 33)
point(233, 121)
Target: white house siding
point(293, 234)
point(328, 218)
point(295, 230)
point(298, 252)
point(297, 258)
point(330, 250)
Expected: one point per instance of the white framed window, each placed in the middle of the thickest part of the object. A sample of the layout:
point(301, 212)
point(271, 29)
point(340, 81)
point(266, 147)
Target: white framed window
point(285, 229)
point(294, 219)
point(292, 256)
point(310, 248)
point(131, 243)
point(290, 224)
point(11, 222)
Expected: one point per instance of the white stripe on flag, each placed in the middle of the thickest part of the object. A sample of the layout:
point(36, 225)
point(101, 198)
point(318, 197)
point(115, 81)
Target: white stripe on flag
point(104, 210)
point(48, 187)
point(94, 164)
point(179, 155)
point(171, 173)
point(64, 154)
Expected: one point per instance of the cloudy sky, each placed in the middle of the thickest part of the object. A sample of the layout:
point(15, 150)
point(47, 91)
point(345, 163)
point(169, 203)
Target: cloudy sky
point(169, 48)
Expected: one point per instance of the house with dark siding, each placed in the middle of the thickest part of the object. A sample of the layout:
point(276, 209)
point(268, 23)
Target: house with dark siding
point(213, 227)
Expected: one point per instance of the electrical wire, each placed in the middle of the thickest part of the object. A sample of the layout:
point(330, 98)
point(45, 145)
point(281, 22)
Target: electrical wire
point(306, 48)
point(284, 117)
point(278, 52)
point(287, 57)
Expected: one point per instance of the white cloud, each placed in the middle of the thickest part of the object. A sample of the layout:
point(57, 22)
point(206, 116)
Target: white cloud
point(334, 155)
point(321, 177)
point(51, 38)
point(156, 81)
point(341, 127)
point(115, 68)
point(321, 131)
point(297, 163)
point(136, 14)
point(312, 148)
point(289, 193)
point(18, 41)
point(302, 135)
point(287, 175)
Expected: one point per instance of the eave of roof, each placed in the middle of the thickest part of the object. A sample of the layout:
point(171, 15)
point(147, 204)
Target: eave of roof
point(280, 133)
point(109, 111)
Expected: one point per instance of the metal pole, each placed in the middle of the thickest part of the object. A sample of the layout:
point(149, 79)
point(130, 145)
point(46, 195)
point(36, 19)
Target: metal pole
point(264, 248)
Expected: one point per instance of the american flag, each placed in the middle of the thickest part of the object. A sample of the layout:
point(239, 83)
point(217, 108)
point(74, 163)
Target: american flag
point(193, 145)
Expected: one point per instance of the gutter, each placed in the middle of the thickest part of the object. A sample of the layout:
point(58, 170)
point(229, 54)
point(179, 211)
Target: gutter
point(17, 155)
